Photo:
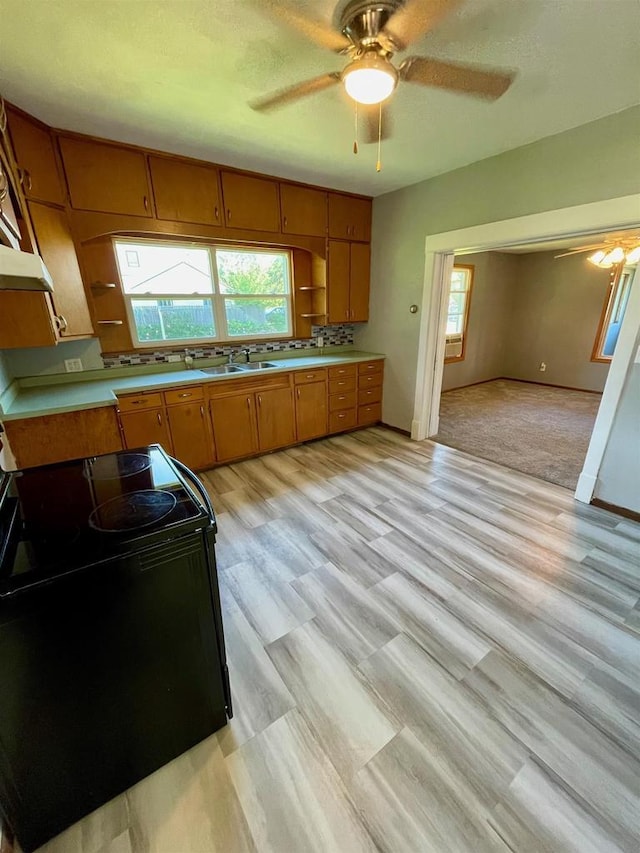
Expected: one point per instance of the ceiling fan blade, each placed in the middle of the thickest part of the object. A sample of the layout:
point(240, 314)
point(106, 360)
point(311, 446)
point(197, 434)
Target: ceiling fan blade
point(371, 118)
point(416, 18)
point(293, 93)
point(317, 31)
point(457, 77)
point(581, 250)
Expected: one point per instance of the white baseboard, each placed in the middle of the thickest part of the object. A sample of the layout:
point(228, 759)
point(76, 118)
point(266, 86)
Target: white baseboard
point(585, 488)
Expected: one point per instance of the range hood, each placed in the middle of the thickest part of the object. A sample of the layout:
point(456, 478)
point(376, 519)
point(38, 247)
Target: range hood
point(23, 271)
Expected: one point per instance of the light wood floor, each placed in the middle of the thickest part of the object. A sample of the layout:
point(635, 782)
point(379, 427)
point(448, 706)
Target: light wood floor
point(428, 653)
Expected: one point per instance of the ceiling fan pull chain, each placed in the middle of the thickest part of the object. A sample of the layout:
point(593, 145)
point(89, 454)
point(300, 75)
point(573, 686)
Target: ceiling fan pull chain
point(379, 163)
point(355, 141)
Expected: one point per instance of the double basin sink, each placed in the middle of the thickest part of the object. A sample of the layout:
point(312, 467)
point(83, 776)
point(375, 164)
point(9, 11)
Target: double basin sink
point(236, 368)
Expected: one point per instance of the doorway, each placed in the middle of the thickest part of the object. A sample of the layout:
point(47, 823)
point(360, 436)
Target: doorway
point(577, 222)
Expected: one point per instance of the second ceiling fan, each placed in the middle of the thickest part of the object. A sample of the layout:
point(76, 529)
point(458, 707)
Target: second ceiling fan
point(370, 34)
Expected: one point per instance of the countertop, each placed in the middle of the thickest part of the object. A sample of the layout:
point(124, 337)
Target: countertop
point(50, 395)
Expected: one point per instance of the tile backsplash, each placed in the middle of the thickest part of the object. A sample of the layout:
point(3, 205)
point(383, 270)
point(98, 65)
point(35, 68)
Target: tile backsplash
point(333, 336)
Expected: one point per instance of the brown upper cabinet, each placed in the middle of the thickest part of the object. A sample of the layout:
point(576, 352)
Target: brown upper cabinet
point(349, 217)
point(250, 203)
point(35, 157)
point(185, 192)
point(105, 178)
point(58, 251)
point(348, 274)
point(304, 210)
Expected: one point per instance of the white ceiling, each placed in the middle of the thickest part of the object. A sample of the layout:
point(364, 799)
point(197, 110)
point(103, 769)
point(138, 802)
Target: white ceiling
point(177, 74)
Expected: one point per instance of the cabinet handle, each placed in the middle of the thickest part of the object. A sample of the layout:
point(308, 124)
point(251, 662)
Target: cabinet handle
point(284, 222)
point(159, 418)
point(298, 393)
point(186, 394)
point(27, 180)
point(146, 203)
point(202, 411)
point(139, 402)
point(216, 212)
point(228, 215)
point(342, 416)
point(259, 400)
point(110, 322)
point(342, 398)
point(310, 375)
point(3, 117)
point(62, 323)
point(249, 402)
point(4, 185)
point(346, 315)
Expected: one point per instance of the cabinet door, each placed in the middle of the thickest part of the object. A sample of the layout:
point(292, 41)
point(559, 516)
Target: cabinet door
point(338, 282)
point(234, 426)
point(304, 210)
point(311, 410)
point(36, 159)
point(250, 203)
point(276, 426)
point(148, 427)
point(107, 178)
point(185, 192)
point(349, 217)
point(59, 254)
point(190, 435)
point(26, 320)
point(359, 275)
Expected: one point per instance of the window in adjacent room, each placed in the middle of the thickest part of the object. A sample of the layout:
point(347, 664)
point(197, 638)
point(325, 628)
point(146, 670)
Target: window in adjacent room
point(458, 312)
point(613, 310)
point(186, 294)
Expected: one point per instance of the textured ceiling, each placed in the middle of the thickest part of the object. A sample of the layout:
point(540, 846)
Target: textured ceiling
point(177, 74)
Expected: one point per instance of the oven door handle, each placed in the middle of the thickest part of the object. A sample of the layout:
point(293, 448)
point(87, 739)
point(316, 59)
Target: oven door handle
point(200, 489)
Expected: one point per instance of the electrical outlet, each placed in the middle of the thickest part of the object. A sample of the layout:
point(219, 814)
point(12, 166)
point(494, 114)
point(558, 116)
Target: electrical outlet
point(542, 367)
point(320, 342)
point(73, 365)
point(174, 357)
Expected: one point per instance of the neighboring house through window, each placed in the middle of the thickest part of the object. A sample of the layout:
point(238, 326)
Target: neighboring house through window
point(190, 293)
point(458, 312)
point(613, 311)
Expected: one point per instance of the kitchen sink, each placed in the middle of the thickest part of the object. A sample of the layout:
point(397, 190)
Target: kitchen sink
point(220, 370)
point(257, 365)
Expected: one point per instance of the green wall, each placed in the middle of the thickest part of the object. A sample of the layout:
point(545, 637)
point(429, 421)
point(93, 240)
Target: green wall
point(593, 162)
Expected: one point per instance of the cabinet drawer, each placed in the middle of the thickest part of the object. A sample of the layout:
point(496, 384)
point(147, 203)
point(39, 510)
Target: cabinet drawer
point(340, 386)
point(371, 381)
point(303, 376)
point(342, 420)
point(338, 402)
point(369, 414)
point(370, 367)
point(370, 395)
point(342, 372)
point(184, 395)
point(139, 401)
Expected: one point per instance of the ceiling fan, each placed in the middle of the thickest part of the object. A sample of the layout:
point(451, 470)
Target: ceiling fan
point(610, 252)
point(370, 33)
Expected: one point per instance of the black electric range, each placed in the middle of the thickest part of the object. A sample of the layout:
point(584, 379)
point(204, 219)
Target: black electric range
point(112, 655)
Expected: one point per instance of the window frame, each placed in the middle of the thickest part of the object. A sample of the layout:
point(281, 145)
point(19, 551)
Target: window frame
point(215, 297)
point(622, 276)
point(470, 271)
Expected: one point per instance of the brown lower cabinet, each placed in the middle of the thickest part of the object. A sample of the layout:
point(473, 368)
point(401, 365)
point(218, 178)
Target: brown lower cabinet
point(241, 418)
point(253, 421)
point(57, 438)
point(311, 410)
point(145, 427)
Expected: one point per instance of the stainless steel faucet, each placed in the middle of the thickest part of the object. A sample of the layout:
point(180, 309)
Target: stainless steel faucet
point(231, 357)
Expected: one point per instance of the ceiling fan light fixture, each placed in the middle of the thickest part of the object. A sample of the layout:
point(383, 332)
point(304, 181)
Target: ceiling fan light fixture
point(615, 256)
point(597, 258)
point(634, 255)
point(370, 79)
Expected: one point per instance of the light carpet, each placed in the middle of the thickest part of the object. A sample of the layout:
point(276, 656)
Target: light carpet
point(536, 429)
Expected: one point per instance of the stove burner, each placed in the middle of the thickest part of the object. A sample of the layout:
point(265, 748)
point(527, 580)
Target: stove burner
point(132, 511)
point(116, 466)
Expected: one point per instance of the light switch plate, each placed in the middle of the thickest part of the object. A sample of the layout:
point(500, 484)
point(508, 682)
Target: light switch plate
point(73, 365)
point(174, 357)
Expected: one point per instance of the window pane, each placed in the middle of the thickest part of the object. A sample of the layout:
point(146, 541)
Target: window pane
point(163, 269)
point(256, 316)
point(252, 272)
point(173, 319)
point(456, 303)
point(459, 280)
point(454, 324)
